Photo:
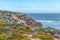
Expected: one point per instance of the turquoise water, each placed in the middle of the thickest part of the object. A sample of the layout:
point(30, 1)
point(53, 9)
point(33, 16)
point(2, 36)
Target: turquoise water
point(47, 20)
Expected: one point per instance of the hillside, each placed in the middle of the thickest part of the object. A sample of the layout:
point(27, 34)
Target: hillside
point(18, 18)
point(19, 26)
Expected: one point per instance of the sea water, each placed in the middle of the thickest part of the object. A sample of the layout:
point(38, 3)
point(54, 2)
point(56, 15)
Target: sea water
point(47, 20)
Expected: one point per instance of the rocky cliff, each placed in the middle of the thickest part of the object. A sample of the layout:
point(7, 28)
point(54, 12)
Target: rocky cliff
point(19, 26)
point(18, 18)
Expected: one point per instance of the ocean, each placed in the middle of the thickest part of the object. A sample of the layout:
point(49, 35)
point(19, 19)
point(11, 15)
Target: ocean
point(47, 20)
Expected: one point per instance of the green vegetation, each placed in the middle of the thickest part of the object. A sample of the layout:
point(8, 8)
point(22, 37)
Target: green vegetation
point(4, 24)
point(2, 37)
point(42, 36)
point(18, 37)
point(17, 33)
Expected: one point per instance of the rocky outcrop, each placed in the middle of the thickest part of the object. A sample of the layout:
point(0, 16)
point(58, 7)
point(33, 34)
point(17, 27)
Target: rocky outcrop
point(16, 17)
point(28, 20)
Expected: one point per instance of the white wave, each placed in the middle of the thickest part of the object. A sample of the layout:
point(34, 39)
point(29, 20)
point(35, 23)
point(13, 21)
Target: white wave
point(50, 21)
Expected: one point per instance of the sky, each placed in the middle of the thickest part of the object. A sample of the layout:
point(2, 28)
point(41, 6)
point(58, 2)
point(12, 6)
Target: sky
point(31, 6)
